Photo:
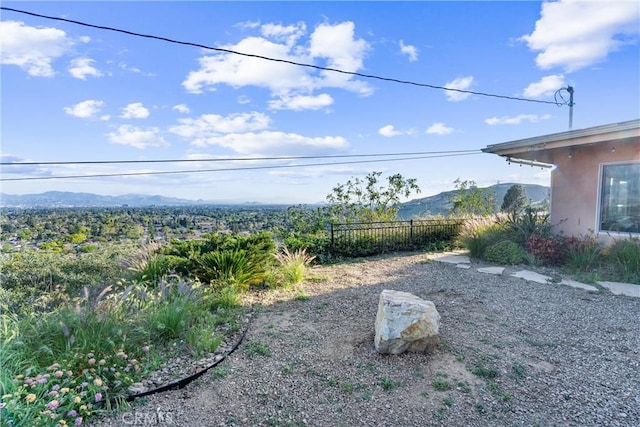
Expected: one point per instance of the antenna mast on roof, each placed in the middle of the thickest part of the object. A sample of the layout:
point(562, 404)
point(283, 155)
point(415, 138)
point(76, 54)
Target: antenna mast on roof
point(570, 103)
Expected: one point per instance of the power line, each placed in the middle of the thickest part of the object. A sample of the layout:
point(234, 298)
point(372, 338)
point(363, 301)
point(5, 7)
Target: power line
point(236, 159)
point(38, 178)
point(301, 64)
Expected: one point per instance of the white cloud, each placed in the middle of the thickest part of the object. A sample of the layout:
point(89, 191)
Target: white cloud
point(268, 143)
point(301, 102)
point(247, 25)
point(135, 111)
point(246, 134)
point(335, 45)
point(212, 125)
point(86, 109)
point(461, 83)
point(21, 169)
point(547, 86)
point(409, 50)
point(238, 71)
point(32, 48)
point(80, 68)
point(516, 120)
point(135, 70)
point(320, 172)
point(575, 34)
point(388, 131)
point(181, 108)
point(288, 34)
point(137, 137)
point(439, 128)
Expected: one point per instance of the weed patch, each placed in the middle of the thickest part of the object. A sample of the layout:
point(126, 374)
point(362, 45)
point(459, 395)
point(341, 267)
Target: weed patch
point(255, 348)
point(440, 384)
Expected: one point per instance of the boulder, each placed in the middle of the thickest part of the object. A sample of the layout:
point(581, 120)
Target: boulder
point(405, 322)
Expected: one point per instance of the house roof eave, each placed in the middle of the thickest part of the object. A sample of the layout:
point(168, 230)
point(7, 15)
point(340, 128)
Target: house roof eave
point(612, 132)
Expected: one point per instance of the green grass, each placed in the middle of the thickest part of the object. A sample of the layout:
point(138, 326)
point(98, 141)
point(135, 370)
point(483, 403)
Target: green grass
point(463, 386)
point(388, 384)
point(347, 387)
point(518, 372)
point(483, 371)
point(253, 348)
point(106, 341)
point(219, 372)
point(293, 268)
point(441, 384)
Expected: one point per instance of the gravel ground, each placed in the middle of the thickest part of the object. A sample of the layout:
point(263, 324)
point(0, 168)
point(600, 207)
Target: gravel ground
point(511, 352)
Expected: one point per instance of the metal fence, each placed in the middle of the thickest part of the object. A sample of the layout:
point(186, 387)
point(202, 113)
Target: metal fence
point(363, 239)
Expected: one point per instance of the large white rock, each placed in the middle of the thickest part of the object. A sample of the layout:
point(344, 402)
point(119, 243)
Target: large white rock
point(405, 323)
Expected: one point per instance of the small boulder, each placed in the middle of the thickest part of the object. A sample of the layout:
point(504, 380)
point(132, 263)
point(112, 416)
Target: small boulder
point(405, 322)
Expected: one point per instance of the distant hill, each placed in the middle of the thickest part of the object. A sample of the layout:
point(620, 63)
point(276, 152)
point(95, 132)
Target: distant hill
point(428, 206)
point(65, 199)
point(440, 204)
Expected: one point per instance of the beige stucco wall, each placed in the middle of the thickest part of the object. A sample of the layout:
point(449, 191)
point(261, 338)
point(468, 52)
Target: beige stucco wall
point(575, 182)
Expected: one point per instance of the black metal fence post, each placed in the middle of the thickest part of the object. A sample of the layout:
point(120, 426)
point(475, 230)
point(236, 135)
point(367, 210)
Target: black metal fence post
point(411, 232)
point(333, 247)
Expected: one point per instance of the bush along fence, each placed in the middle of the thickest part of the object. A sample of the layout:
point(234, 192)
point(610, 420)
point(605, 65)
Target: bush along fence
point(372, 238)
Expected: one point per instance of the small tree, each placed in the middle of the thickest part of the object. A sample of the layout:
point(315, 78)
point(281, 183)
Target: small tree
point(469, 200)
point(515, 200)
point(365, 200)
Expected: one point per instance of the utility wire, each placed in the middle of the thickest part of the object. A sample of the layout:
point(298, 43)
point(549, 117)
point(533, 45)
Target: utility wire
point(236, 159)
point(38, 178)
point(301, 64)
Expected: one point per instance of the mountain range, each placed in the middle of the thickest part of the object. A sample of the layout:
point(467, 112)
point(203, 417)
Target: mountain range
point(438, 204)
point(441, 204)
point(65, 199)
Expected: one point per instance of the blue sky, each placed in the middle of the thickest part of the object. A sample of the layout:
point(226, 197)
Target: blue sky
point(73, 93)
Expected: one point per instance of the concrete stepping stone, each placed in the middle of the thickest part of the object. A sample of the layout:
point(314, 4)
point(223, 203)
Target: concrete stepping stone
point(492, 270)
point(532, 276)
point(618, 288)
point(575, 284)
point(450, 258)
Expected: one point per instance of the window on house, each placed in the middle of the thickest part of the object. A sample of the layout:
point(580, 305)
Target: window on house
point(620, 198)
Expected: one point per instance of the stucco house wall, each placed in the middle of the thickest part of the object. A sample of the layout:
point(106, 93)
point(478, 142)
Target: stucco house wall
point(575, 184)
point(577, 159)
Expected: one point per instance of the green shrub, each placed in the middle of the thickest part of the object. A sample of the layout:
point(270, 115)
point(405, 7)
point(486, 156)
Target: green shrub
point(505, 252)
point(530, 222)
point(208, 259)
point(478, 234)
point(293, 267)
point(362, 245)
point(547, 250)
point(40, 281)
point(317, 245)
point(230, 267)
point(624, 258)
point(583, 253)
point(146, 264)
point(169, 319)
point(228, 296)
